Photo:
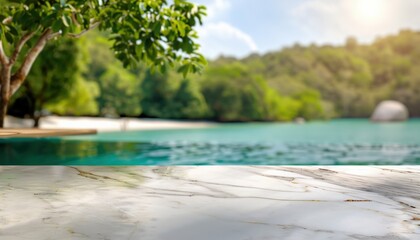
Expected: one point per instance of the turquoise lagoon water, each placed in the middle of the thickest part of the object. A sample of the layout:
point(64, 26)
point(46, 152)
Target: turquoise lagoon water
point(338, 142)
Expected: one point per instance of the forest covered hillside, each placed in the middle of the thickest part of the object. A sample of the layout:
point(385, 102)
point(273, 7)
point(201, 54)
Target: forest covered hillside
point(342, 81)
point(313, 82)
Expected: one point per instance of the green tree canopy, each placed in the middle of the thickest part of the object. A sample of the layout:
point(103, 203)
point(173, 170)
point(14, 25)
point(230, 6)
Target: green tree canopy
point(233, 93)
point(119, 87)
point(169, 96)
point(158, 33)
point(47, 85)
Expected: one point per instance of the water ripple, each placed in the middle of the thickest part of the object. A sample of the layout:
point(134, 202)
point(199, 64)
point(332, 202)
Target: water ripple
point(67, 152)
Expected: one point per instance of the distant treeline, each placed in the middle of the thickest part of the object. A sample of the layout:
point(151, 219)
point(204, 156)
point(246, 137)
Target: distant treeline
point(312, 82)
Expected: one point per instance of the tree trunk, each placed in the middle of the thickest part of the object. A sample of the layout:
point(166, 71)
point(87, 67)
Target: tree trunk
point(10, 84)
point(36, 115)
point(5, 93)
point(36, 121)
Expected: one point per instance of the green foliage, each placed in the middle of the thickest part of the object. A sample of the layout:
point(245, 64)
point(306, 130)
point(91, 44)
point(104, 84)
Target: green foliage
point(81, 100)
point(119, 88)
point(155, 32)
point(234, 94)
point(188, 102)
point(120, 92)
point(49, 85)
point(158, 90)
point(280, 108)
point(167, 96)
point(227, 89)
point(314, 82)
point(310, 105)
point(319, 82)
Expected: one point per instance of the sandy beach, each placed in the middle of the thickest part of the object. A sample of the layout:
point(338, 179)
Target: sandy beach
point(105, 124)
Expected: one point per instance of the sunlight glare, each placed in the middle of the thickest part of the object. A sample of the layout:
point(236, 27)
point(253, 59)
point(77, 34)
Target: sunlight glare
point(370, 11)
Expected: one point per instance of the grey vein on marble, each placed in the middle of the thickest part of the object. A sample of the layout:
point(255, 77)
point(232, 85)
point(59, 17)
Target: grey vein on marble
point(212, 202)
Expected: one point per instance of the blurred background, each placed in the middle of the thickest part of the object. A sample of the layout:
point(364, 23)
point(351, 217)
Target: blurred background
point(267, 61)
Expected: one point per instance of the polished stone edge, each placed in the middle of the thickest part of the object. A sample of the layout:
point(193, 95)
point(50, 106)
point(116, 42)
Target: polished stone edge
point(210, 202)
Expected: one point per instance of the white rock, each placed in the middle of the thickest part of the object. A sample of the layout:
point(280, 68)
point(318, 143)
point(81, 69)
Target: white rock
point(388, 111)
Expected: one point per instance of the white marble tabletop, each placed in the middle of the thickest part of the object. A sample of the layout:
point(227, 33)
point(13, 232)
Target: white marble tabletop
point(209, 203)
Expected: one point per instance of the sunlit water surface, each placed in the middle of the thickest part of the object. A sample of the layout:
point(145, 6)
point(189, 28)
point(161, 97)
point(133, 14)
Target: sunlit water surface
point(338, 142)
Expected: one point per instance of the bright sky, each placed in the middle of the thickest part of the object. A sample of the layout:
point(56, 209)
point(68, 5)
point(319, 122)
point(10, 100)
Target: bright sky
point(240, 27)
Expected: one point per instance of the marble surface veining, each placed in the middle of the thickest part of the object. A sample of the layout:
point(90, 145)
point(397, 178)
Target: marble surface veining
point(209, 202)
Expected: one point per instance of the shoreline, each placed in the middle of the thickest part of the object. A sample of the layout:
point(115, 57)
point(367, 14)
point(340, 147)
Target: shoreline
point(102, 124)
point(106, 124)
